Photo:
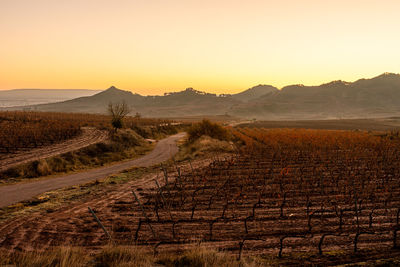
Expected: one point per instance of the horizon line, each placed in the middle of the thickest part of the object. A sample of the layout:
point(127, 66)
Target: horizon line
point(167, 92)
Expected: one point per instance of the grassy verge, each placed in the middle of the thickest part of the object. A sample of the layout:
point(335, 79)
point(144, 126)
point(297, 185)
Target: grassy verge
point(203, 147)
point(123, 256)
point(115, 256)
point(124, 145)
point(205, 139)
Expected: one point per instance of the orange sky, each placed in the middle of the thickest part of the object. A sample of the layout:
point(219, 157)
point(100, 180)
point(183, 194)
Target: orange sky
point(218, 46)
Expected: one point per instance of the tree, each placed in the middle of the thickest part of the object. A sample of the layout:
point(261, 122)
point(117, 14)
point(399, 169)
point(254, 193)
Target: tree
point(118, 111)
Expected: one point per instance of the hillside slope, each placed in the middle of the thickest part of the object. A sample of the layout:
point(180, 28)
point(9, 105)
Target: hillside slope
point(365, 98)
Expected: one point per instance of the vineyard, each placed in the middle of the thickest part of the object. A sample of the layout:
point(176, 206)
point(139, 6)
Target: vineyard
point(27, 130)
point(285, 191)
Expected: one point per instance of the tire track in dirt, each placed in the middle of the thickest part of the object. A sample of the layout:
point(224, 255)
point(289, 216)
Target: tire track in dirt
point(11, 194)
point(73, 225)
point(88, 137)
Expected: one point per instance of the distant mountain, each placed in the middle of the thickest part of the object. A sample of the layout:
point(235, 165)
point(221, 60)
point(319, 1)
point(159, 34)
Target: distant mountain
point(96, 103)
point(365, 98)
point(255, 92)
point(23, 97)
point(376, 97)
point(185, 103)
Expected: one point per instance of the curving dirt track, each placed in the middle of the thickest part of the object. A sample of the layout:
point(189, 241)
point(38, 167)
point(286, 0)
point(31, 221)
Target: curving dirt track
point(73, 225)
point(10, 194)
point(88, 137)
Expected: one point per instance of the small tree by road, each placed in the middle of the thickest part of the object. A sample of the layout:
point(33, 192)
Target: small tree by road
point(118, 111)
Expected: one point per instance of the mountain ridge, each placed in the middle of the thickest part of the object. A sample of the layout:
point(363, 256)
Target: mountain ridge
point(375, 97)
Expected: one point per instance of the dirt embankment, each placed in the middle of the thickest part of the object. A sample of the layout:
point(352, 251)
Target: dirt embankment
point(88, 137)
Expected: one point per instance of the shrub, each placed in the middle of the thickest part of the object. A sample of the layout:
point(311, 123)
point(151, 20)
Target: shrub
point(206, 127)
point(127, 138)
point(117, 111)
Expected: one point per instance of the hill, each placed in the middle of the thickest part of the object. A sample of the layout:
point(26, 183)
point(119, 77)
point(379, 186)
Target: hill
point(365, 98)
point(185, 103)
point(255, 92)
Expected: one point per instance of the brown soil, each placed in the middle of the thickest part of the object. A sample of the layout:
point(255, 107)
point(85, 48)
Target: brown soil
point(73, 225)
point(88, 137)
point(15, 193)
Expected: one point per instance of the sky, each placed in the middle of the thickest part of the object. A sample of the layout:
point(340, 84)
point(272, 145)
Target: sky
point(218, 46)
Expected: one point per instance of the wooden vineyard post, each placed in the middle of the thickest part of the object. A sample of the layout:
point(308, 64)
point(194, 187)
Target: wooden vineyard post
point(166, 178)
point(245, 223)
point(138, 229)
point(163, 199)
point(193, 209)
point(161, 193)
point(241, 245)
point(144, 213)
point(101, 225)
point(211, 223)
point(281, 245)
point(178, 170)
point(191, 166)
point(165, 174)
point(321, 241)
point(282, 206)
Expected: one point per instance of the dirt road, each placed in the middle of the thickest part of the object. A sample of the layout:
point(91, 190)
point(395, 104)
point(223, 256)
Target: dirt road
point(15, 193)
point(72, 225)
point(88, 137)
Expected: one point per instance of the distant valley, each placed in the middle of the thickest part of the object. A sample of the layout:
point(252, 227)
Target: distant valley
point(28, 97)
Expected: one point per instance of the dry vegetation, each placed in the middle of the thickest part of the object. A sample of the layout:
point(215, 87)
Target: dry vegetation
point(117, 256)
point(287, 197)
point(206, 127)
point(205, 139)
point(287, 191)
point(23, 131)
point(122, 145)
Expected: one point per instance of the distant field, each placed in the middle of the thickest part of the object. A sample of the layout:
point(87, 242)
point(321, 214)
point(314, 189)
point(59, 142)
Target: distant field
point(216, 118)
point(21, 130)
point(345, 124)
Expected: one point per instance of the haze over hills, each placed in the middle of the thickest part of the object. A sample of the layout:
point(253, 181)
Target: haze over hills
point(24, 97)
point(365, 98)
point(255, 92)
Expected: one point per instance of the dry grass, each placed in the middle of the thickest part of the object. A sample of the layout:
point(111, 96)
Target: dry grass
point(122, 256)
point(126, 144)
point(204, 257)
point(211, 129)
point(60, 257)
point(203, 147)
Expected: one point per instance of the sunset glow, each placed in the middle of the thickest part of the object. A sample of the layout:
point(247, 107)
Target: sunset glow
point(225, 46)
